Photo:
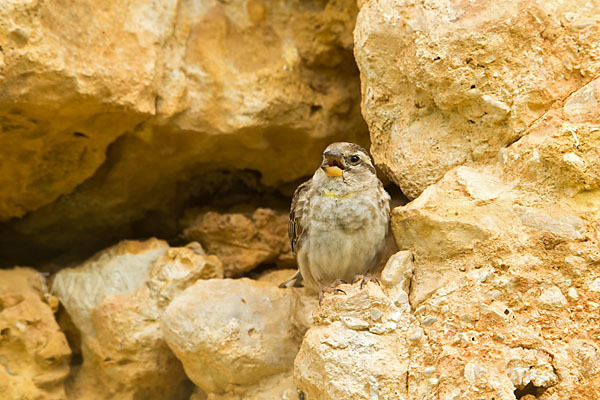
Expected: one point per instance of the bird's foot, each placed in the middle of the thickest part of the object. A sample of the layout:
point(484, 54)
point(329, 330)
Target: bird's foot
point(368, 277)
point(331, 289)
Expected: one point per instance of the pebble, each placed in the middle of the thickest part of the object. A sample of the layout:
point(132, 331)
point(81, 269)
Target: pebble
point(376, 314)
point(594, 285)
point(427, 372)
point(572, 293)
point(552, 299)
point(415, 335)
point(429, 321)
point(433, 381)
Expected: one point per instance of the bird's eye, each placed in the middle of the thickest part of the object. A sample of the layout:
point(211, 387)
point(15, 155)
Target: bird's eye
point(354, 159)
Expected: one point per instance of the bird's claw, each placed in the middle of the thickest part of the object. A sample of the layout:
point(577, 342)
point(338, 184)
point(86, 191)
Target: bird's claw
point(364, 279)
point(331, 289)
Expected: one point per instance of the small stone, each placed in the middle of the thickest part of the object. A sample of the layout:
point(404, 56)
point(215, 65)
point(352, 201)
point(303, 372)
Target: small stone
point(376, 314)
point(445, 309)
point(401, 298)
point(429, 371)
point(473, 371)
point(415, 335)
point(429, 321)
point(481, 274)
point(572, 294)
point(593, 306)
point(552, 299)
point(594, 286)
point(433, 381)
point(574, 160)
point(559, 223)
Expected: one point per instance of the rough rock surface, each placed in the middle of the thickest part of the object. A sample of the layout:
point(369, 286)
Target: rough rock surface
point(446, 83)
point(243, 241)
point(505, 278)
point(358, 348)
point(238, 338)
point(115, 300)
point(34, 354)
point(93, 96)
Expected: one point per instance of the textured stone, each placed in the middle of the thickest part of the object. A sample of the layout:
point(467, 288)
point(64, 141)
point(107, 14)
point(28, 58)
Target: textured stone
point(352, 352)
point(115, 300)
point(34, 354)
point(445, 83)
point(241, 241)
point(114, 115)
point(235, 333)
point(552, 299)
point(497, 246)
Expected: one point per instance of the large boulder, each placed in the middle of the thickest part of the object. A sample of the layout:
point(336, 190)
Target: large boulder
point(238, 338)
point(449, 82)
point(115, 301)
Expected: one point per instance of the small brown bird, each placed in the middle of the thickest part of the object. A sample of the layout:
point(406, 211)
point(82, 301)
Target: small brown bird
point(338, 220)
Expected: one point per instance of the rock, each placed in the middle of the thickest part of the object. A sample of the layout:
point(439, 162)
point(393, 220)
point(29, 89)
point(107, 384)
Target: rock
point(552, 299)
point(444, 84)
point(242, 242)
point(495, 245)
point(231, 334)
point(115, 300)
point(566, 225)
point(352, 352)
point(396, 277)
point(530, 367)
point(208, 95)
point(34, 354)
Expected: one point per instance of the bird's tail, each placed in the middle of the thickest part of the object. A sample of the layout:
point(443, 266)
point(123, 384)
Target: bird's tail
point(294, 281)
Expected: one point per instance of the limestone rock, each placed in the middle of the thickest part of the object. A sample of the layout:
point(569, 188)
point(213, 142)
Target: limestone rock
point(497, 246)
point(115, 300)
point(397, 275)
point(241, 241)
point(34, 354)
point(358, 347)
point(552, 299)
point(235, 336)
point(446, 84)
point(125, 111)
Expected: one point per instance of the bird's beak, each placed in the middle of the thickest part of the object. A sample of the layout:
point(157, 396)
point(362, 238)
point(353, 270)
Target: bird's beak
point(334, 163)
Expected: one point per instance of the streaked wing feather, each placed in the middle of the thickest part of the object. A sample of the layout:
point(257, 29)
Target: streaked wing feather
point(296, 225)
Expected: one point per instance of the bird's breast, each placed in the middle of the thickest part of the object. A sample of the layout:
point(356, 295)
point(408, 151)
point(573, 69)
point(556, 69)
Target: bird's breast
point(348, 211)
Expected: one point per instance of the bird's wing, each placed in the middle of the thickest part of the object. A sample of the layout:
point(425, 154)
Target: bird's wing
point(297, 225)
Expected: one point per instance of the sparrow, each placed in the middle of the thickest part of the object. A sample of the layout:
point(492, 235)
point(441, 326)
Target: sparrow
point(339, 220)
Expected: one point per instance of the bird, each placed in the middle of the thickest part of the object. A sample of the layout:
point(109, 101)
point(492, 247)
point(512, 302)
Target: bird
point(339, 220)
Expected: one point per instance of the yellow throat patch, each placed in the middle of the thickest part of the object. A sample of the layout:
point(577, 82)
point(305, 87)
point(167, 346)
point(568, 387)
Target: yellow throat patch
point(329, 193)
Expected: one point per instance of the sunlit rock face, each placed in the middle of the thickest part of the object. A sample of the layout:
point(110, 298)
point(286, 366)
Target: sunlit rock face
point(115, 301)
point(446, 83)
point(112, 114)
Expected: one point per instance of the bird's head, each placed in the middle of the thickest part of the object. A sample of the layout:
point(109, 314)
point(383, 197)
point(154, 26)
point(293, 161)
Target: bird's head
point(346, 160)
